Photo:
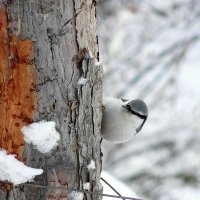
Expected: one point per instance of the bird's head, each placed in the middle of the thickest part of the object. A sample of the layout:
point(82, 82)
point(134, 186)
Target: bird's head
point(138, 108)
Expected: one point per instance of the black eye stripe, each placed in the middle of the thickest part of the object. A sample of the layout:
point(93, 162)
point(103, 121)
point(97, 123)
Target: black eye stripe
point(128, 108)
point(138, 114)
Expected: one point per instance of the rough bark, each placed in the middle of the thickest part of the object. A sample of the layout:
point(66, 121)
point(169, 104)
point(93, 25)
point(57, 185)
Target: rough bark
point(61, 32)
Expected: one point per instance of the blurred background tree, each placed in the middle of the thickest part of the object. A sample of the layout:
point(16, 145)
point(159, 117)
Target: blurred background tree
point(151, 50)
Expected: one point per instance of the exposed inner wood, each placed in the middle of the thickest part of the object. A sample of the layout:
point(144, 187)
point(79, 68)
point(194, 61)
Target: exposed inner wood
point(17, 88)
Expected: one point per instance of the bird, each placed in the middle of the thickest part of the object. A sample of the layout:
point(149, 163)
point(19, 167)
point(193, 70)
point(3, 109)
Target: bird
point(122, 119)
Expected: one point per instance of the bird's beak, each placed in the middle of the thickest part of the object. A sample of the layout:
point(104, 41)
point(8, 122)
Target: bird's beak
point(124, 106)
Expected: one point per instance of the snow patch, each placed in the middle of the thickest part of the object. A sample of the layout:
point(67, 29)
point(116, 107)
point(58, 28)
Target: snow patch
point(42, 135)
point(15, 171)
point(90, 54)
point(91, 165)
point(97, 63)
point(76, 195)
point(82, 81)
point(122, 188)
point(86, 186)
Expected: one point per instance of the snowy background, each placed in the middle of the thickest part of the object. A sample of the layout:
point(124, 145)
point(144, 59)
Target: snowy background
point(151, 50)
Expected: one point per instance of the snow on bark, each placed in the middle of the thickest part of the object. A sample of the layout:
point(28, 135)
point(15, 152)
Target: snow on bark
point(42, 135)
point(76, 196)
point(15, 171)
point(91, 165)
point(86, 186)
point(82, 81)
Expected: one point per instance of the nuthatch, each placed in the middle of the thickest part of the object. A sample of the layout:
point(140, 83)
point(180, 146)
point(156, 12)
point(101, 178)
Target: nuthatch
point(122, 119)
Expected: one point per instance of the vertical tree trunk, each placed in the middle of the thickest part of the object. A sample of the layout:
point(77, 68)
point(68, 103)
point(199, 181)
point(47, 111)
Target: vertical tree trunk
point(43, 45)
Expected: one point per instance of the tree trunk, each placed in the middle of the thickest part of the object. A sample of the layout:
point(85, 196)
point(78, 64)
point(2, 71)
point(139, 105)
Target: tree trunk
point(45, 47)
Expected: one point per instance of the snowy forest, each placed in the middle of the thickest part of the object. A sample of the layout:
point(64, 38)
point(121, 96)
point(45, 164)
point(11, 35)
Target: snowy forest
point(151, 50)
point(59, 59)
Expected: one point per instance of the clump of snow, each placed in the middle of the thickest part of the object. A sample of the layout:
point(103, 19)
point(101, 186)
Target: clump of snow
point(97, 63)
point(42, 135)
point(90, 55)
point(15, 171)
point(86, 186)
point(76, 195)
point(82, 81)
point(91, 165)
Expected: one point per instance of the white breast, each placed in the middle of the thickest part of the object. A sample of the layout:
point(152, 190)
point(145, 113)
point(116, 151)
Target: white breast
point(118, 125)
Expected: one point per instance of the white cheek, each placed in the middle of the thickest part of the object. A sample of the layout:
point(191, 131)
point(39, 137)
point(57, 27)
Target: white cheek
point(133, 122)
point(138, 122)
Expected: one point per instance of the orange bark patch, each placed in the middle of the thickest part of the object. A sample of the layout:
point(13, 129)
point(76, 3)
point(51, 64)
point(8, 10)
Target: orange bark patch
point(17, 94)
